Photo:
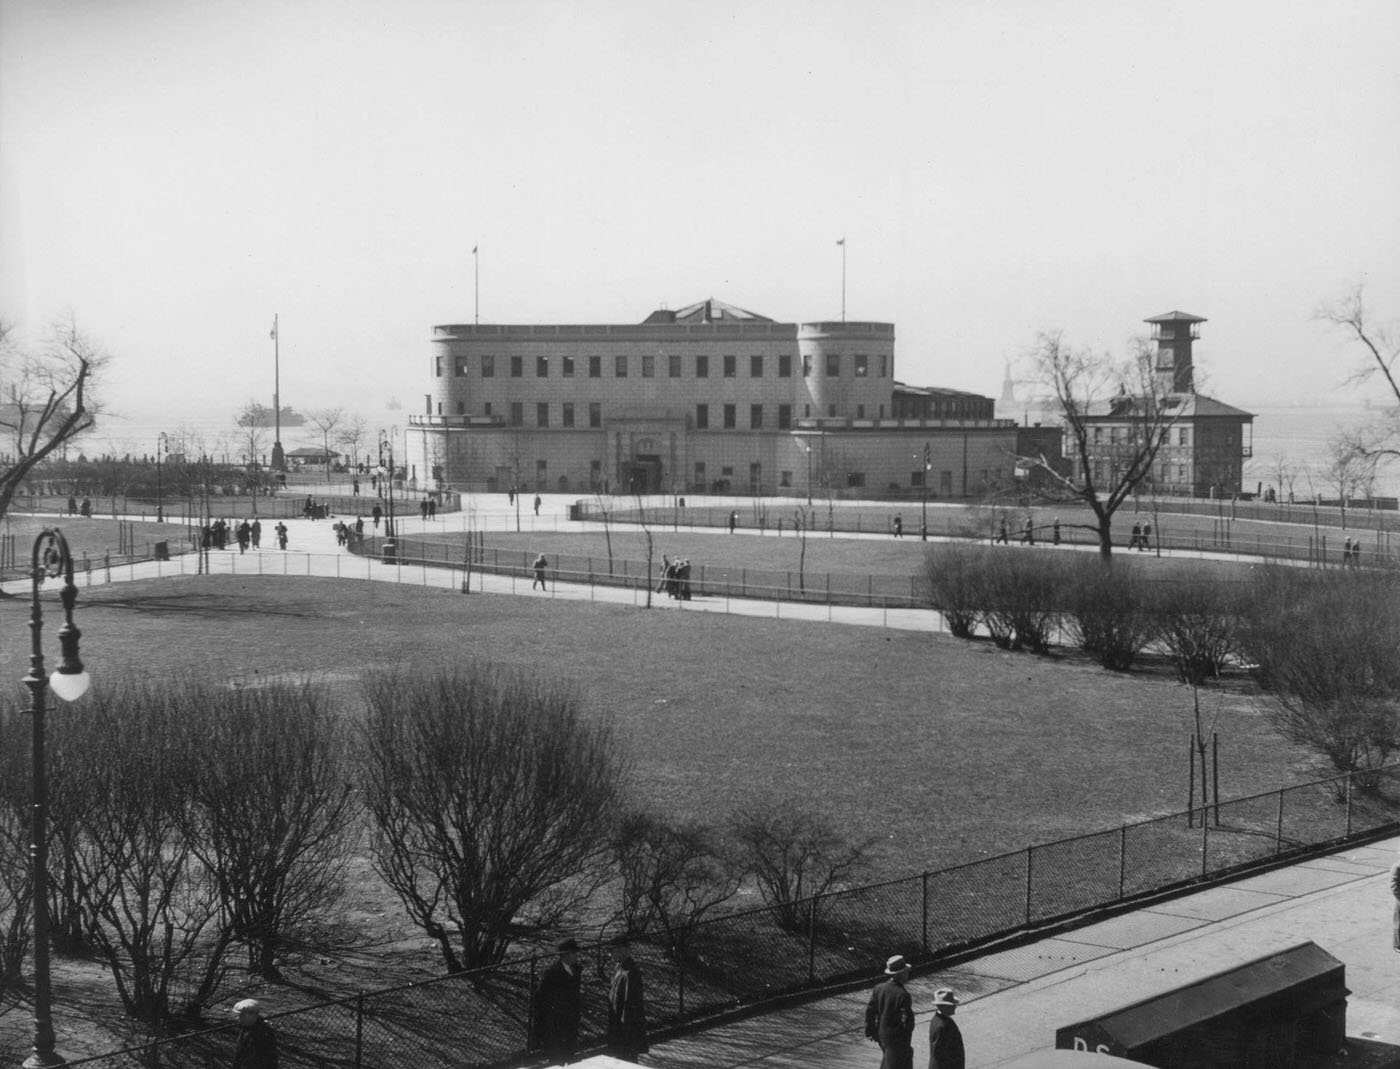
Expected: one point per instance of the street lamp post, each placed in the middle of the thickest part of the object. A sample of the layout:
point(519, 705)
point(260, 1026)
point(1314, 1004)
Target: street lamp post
point(923, 529)
point(809, 473)
point(162, 446)
point(50, 559)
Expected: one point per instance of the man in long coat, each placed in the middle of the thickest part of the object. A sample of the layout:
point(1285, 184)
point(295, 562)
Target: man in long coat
point(945, 1043)
point(256, 1044)
point(627, 1021)
point(557, 1005)
point(889, 1017)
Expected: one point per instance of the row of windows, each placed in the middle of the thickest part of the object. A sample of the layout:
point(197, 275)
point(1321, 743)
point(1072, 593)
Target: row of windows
point(595, 417)
point(1119, 434)
point(621, 366)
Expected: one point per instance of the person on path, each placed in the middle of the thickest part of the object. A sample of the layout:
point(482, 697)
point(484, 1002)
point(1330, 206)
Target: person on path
point(538, 503)
point(945, 1042)
point(1135, 539)
point(244, 535)
point(432, 508)
point(889, 1016)
point(359, 529)
point(1055, 531)
point(733, 521)
point(557, 1005)
point(898, 525)
point(281, 530)
point(1146, 537)
point(627, 1021)
point(423, 508)
point(256, 532)
point(256, 1045)
point(1346, 553)
point(1028, 533)
point(355, 487)
point(540, 565)
point(377, 513)
point(1356, 554)
point(1002, 532)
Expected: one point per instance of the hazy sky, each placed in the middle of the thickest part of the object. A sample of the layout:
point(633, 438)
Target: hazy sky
point(173, 173)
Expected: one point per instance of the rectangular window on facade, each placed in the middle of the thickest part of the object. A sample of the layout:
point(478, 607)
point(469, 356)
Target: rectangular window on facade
point(1182, 437)
point(488, 367)
point(916, 478)
point(833, 365)
point(566, 366)
point(882, 411)
point(884, 366)
point(730, 363)
point(541, 473)
point(755, 417)
point(702, 367)
point(755, 475)
point(517, 414)
point(595, 474)
point(702, 417)
point(785, 366)
point(831, 411)
point(1098, 435)
point(461, 408)
point(648, 367)
point(755, 367)
point(486, 408)
point(427, 404)
point(726, 470)
point(437, 366)
point(860, 411)
point(700, 474)
point(595, 413)
point(673, 365)
point(806, 364)
point(784, 417)
point(541, 367)
point(595, 367)
point(460, 367)
point(517, 367)
point(620, 367)
point(806, 411)
point(566, 414)
point(862, 365)
point(784, 478)
point(542, 414)
point(855, 478)
point(730, 417)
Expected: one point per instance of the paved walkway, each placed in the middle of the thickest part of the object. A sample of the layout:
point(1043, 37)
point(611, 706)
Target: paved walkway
point(1014, 1000)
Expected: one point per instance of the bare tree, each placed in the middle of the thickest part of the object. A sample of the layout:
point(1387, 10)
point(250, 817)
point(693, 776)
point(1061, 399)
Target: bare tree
point(45, 399)
point(1096, 392)
point(673, 875)
point(354, 429)
point(326, 420)
point(648, 542)
point(1349, 469)
point(794, 853)
point(490, 797)
point(272, 809)
point(252, 430)
point(801, 524)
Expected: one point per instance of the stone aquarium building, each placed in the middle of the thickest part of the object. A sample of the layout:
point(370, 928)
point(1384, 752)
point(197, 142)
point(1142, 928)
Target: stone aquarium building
point(709, 398)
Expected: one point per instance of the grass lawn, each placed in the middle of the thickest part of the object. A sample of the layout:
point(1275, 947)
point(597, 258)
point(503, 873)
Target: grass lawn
point(940, 749)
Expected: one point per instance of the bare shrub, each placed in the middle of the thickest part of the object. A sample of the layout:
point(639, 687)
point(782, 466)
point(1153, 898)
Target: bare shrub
point(1198, 622)
point(490, 798)
point(794, 854)
point(672, 876)
point(952, 581)
point(1327, 650)
point(272, 810)
point(1108, 612)
point(1025, 595)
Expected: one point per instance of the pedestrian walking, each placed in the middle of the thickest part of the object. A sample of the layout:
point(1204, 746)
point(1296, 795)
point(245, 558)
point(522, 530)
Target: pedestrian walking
point(244, 536)
point(1356, 554)
point(355, 487)
point(945, 1042)
point(1055, 531)
point(557, 1005)
point(256, 1044)
point(423, 508)
point(1346, 553)
point(1135, 539)
point(733, 520)
point(627, 1022)
point(538, 503)
point(1002, 532)
point(540, 565)
point(1028, 533)
point(889, 1016)
point(281, 530)
point(432, 508)
point(377, 514)
point(1146, 537)
point(898, 525)
point(256, 532)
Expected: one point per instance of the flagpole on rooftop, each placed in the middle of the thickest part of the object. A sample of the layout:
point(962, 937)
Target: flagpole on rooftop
point(279, 460)
point(842, 243)
point(476, 270)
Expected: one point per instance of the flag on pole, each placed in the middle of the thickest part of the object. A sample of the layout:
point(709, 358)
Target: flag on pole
point(842, 241)
point(473, 250)
point(273, 335)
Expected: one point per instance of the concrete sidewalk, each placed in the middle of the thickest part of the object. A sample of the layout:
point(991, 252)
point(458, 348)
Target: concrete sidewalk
point(1014, 1000)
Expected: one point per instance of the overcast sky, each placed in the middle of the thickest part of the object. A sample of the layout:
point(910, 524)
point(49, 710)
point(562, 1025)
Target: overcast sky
point(174, 173)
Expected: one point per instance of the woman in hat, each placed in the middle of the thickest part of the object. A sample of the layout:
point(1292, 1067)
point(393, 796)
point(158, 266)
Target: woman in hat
point(945, 1043)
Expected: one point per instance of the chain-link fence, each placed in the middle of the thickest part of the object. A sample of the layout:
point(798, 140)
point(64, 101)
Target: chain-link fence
point(481, 1018)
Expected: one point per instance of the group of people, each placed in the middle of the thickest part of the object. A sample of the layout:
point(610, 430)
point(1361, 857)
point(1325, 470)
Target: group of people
point(889, 1021)
point(349, 534)
point(217, 533)
point(427, 508)
point(1003, 535)
point(675, 578)
point(1351, 553)
point(74, 509)
point(1141, 537)
point(557, 1005)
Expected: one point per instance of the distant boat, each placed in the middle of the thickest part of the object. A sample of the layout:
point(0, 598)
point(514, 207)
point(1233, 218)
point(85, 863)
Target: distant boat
point(257, 415)
point(393, 405)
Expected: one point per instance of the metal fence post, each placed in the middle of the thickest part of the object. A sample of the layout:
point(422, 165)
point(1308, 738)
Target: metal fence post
point(812, 939)
point(1029, 872)
point(924, 911)
point(1348, 804)
point(1122, 858)
point(359, 1029)
point(1205, 840)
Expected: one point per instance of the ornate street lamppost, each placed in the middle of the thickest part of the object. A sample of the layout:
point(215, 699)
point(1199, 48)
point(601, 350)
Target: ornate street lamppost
point(51, 559)
point(923, 529)
point(809, 473)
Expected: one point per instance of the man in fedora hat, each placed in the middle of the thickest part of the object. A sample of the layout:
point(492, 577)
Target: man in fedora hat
point(889, 1017)
point(945, 1044)
point(627, 1019)
point(557, 1004)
